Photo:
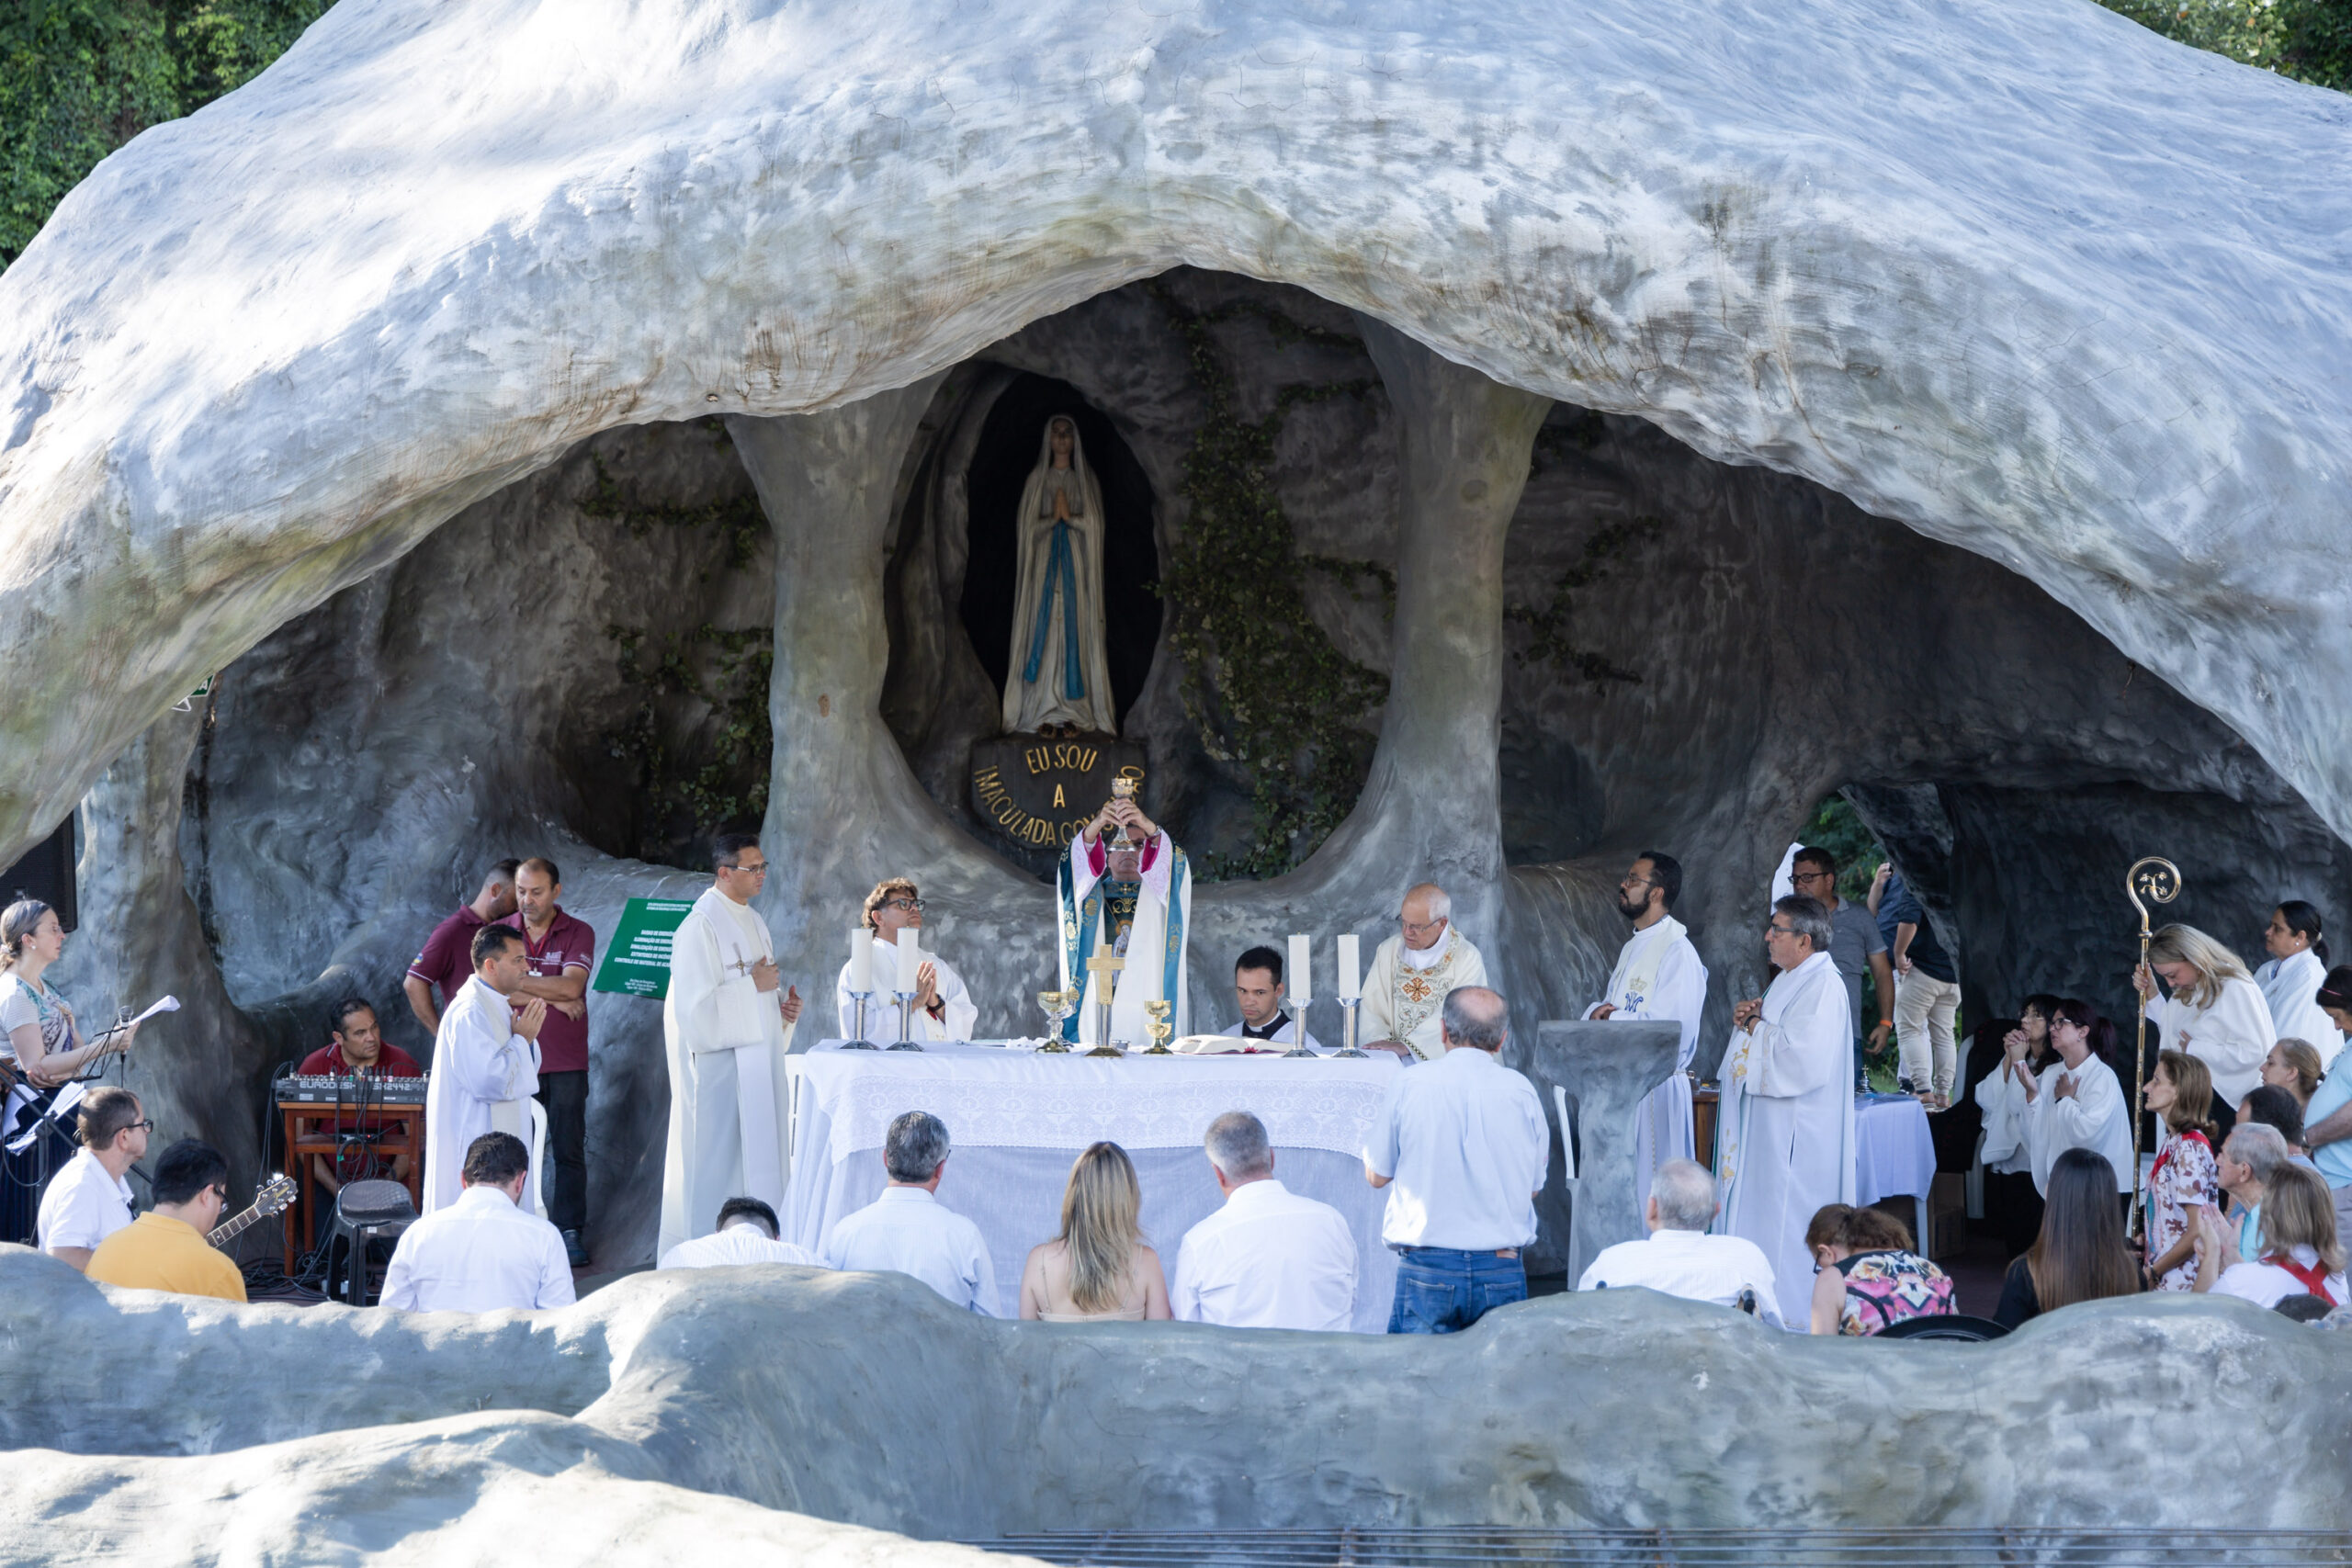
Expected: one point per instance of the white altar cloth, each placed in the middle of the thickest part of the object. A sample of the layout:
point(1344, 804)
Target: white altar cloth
point(1017, 1120)
point(1894, 1153)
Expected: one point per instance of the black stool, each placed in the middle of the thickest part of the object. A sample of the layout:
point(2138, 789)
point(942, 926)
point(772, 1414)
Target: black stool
point(365, 1212)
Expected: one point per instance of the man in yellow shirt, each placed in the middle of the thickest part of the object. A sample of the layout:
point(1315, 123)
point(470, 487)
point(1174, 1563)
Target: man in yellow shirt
point(166, 1249)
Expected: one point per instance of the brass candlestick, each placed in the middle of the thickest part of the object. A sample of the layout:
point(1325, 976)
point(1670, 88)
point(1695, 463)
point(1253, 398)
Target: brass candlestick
point(1158, 1028)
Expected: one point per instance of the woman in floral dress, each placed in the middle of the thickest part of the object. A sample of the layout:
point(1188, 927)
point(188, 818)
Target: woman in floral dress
point(2186, 1178)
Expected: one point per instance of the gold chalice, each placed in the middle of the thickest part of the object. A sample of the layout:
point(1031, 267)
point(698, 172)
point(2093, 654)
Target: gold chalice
point(1158, 1028)
point(1057, 1006)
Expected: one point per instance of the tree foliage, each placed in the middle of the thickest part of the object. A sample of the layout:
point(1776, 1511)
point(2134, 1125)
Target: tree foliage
point(78, 78)
point(2308, 39)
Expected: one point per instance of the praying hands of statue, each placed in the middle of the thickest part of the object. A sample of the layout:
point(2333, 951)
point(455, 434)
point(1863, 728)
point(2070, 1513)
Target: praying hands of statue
point(764, 976)
point(1061, 505)
point(530, 1017)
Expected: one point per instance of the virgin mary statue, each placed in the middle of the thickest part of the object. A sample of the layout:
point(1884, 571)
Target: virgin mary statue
point(1059, 675)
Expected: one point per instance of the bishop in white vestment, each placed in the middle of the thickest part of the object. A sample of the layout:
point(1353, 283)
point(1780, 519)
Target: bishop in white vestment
point(1125, 889)
point(726, 1025)
point(942, 1009)
point(1658, 976)
point(485, 1068)
point(1412, 971)
point(1786, 1145)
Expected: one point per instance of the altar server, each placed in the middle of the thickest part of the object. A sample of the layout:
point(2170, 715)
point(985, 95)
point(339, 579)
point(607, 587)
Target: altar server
point(2215, 1013)
point(1125, 890)
point(1257, 992)
point(2290, 980)
point(485, 1063)
point(1658, 976)
point(726, 1025)
point(1786, 1145)
point(942, 1011)
point(1411, 972)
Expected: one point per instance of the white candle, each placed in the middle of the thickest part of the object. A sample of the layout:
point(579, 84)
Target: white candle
point(1351, 969)
point(1302, 982)
point(861, 960)
point(909, 956)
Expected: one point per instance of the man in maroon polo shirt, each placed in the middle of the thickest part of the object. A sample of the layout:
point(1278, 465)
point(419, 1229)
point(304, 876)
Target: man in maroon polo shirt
point(447, 960)
point(357, 1049)
point(561, 951)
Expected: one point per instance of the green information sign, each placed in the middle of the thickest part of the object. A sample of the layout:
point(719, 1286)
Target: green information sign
point(637, 961)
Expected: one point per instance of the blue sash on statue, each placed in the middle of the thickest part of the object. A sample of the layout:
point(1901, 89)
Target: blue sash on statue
point(1061, 571)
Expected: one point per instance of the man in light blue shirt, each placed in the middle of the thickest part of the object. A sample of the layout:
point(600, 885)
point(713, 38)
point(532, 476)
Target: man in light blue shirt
point(908, 1231)
point(2327, 1133)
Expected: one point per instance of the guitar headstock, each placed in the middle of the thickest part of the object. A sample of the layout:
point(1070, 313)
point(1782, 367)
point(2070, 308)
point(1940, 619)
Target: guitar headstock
point(273, 1195)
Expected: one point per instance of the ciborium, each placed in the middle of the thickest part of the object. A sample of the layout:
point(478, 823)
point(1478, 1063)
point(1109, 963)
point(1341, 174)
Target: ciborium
point(1157, 1027)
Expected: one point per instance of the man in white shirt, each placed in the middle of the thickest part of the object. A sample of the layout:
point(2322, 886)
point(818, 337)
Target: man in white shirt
point(1257, 992)
point(1269, 1258)
point(1462, 1145)
point(942, 1008)
point(485, 1252)
point(88, 1200)
point(908, 1231)
point(485, 1061)
point(1680, 1258)
point(746, 1233)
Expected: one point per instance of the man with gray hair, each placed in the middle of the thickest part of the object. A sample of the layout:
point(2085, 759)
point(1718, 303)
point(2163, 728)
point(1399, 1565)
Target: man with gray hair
point(908, 1231)
point(1269, 1258)
point(1461, 1144)
point(1412, 972)
point(1680, 1258)
point(1784, 1140)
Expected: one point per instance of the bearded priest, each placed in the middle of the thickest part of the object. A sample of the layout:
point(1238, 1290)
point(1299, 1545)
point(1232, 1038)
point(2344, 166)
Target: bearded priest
point(726, 1021)
point(1786, 1145)
point(1411, 972)
point(1658, 976)
point(1124, 891)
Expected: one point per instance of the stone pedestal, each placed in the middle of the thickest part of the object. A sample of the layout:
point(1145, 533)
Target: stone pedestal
point(1034, 794)
point(1603, 1069)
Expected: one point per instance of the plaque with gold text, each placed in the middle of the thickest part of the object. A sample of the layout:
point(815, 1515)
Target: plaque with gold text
point(1033, 794)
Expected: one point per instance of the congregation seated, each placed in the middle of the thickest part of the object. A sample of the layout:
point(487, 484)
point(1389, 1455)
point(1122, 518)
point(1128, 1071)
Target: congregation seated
point(1678, 1258)
point(1270, 1258)
point(486, 1252)
point(746, 1232)
point(908, 1231)
point(2300, 1254)
point(1870, 1278)
point(2294, 1066)
point(88, 1200)
point(2274, 1108)
point(168, 1248)
point(2080, 1254)
point(1097, 1268)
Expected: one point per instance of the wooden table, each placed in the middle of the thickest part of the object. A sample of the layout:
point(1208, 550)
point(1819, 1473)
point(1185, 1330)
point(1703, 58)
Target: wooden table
point(312, 1128)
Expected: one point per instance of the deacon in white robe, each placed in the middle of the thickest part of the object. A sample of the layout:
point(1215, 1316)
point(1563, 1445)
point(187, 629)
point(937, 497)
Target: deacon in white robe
point(726, 1024)
point(1411, 972)
point(485, 1066)
point(1785, 1146)
point(1658, 976)
point(2290, 986)
point(942, 1009)
point(1125, 890)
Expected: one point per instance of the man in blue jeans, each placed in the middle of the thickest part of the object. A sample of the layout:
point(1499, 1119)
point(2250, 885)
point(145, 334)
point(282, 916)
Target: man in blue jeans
point(1462, 1147)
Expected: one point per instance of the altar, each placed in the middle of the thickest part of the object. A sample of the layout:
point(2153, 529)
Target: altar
point(1018, 1119)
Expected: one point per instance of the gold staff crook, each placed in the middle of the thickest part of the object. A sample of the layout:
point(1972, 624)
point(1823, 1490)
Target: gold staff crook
point(2159, 879)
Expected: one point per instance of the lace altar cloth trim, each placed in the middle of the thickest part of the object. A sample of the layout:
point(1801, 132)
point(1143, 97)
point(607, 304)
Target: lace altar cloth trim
point(1012, 1099)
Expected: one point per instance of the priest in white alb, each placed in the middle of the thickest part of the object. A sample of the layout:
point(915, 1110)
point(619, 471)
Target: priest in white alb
point(1124, 892)
point(1786, 1144)
point(942, 1009)
point(485, 1065)
point(1411, 972)
point(1658, 976)
point(726, 1024)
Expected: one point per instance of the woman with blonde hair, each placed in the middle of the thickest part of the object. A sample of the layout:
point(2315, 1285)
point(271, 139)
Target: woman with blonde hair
point(1099, 1268)
point(2294, 1066)
point(2186, 1179)
point(2215, 1012)
point(2301, 1252)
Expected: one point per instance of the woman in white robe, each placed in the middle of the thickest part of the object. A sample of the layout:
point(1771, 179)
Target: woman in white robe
point(2216, 1013)
point(2075, 1102)
point(1060, 674)
point(2290, 980)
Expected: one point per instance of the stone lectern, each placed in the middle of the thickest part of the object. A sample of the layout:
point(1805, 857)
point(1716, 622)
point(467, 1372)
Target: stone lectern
point(1605, 1069)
